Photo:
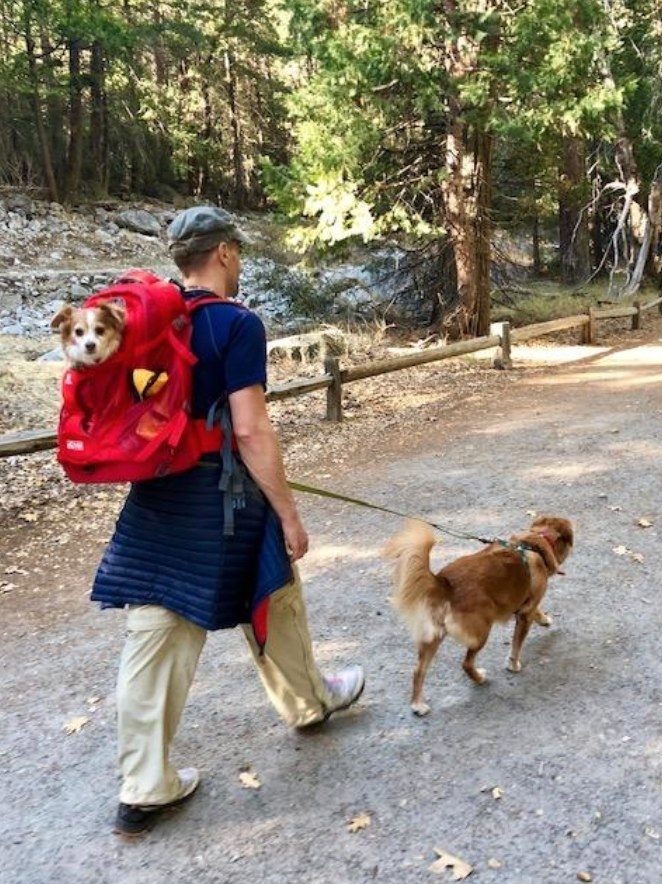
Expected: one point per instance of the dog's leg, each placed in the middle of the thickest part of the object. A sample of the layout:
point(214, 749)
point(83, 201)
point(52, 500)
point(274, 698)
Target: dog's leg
point(479, 676)
point(522, 626)
point(541, 618)
point(426, 652)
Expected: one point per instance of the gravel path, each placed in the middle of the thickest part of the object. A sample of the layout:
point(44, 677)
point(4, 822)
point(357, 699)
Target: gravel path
point(538, 777)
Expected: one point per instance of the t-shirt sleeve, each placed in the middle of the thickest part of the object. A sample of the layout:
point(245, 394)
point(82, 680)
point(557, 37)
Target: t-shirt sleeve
point(246, 356)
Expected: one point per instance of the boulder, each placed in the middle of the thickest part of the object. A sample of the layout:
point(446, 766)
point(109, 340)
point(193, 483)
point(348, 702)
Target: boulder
point(139, 221)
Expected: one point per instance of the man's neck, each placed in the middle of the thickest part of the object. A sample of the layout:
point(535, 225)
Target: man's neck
point(207, 281)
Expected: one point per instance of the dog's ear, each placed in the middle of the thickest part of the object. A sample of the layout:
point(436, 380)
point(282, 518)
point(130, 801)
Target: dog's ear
point(113, 314)
point(562, 528)
point(64, 315)
point(566, 531)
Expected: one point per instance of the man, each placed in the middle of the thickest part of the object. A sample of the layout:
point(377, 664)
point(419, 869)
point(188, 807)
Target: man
point(185, 557)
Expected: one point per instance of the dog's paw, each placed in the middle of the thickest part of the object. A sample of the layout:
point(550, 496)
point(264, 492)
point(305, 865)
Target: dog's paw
point(542, 619)
point(481, 676)
point(420, 709)
point(513, 665)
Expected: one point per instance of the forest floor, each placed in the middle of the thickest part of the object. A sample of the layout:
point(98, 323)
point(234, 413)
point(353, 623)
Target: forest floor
point(539, 777)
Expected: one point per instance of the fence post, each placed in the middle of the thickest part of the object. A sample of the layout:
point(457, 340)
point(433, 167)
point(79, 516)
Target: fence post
point(636, 317)
point(334, 392)
point(503, 357)
point(588, 329)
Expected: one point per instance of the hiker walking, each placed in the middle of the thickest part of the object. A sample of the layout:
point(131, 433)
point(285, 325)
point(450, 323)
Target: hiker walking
point(187, 556)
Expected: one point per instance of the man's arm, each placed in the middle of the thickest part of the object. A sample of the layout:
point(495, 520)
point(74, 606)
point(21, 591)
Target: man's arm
point(260, 450)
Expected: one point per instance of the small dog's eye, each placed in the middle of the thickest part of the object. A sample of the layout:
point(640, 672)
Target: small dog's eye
point(99, 331)
point(79, 332)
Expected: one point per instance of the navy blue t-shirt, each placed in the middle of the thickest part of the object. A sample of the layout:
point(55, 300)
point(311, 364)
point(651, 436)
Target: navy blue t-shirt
point(230, 343)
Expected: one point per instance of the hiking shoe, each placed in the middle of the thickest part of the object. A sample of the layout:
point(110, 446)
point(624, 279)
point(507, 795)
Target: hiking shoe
point(135, 819)
point(345, 687)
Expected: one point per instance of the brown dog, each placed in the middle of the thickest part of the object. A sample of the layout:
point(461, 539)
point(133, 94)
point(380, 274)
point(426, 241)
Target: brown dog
point(90, 335)
point(472, 593)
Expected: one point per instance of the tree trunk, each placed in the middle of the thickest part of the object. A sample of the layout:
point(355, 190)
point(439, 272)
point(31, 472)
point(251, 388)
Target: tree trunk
point(574, 241)
point(468, 184)
point(651, 234)
point(42, 135)
point(75, 151)
point(98, 118)
point(204, 175)
point(633, 224)
point(54, 108)
point(457, 221)
point(655, 215)
point(535, 243)
point(240, 184)
point(630, 217)
point(483, 186)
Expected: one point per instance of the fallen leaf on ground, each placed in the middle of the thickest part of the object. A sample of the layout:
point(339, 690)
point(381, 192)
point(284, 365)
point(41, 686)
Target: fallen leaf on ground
point(494, 863)
point(362, 821)
point(75, 725)
point(28, 517)
point(249, 780)
point(644, 523)
point(625, 551)
point(584, 876)
point(459, 867)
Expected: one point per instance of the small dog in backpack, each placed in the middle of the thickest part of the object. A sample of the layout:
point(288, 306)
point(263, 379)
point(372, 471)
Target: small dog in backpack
point(90, 335)
point(466, 597)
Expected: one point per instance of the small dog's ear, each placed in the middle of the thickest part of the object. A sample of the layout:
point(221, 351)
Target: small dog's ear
point(62, 316)
point(114, 315)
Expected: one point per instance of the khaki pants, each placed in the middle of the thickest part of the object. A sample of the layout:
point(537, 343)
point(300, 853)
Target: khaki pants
point(157, 666)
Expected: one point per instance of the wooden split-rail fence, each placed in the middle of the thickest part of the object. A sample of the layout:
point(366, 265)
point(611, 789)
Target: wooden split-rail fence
point(501, 337)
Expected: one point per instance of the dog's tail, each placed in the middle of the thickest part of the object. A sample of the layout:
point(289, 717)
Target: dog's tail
point(415, 584)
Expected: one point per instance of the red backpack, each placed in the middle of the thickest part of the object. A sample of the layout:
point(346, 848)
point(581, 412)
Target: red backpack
point(128, 418)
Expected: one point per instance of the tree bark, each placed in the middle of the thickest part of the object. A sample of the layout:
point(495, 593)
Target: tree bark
point(574, 241)
point(75, 151)
point(240, 183)
point(483, 185)
point(468, 184)
point(42, 135)
point(633, 225)
point(459, 226)
point(651, 235)
point(98, 118)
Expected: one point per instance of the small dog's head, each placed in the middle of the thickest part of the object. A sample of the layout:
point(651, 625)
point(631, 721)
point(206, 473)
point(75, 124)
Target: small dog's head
point(558, 532)
point(90, 335)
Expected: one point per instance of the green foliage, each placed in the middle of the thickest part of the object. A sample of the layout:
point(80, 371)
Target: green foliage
point(336, 111)
point(545, 300)
point(371, 106)
point(189, 92)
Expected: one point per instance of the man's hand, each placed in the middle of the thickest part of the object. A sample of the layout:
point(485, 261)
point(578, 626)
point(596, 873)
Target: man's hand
point(296, 538)
point(260, 451)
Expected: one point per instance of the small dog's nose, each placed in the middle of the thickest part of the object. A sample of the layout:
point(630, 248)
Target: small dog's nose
point(90, 346)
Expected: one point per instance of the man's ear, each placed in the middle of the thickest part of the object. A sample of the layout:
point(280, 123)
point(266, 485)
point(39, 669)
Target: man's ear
point(223, 253)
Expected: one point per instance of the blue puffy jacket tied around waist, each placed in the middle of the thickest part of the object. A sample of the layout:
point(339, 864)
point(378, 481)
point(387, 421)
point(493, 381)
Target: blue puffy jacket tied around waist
point(169, 549)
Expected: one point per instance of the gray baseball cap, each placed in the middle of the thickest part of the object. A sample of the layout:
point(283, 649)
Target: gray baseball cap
point(202, 228)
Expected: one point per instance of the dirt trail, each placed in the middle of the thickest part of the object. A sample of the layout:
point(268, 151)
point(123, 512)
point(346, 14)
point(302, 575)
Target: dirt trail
point(572, 745)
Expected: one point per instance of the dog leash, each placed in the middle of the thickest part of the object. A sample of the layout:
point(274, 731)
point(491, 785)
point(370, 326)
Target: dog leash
point(334, 495)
